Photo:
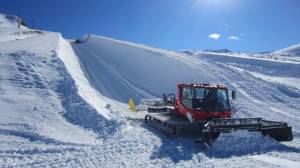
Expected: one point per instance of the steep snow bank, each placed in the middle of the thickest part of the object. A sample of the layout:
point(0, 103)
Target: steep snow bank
point(122, 70)
point(30, 100)
point(67, 55)
point(38, 95)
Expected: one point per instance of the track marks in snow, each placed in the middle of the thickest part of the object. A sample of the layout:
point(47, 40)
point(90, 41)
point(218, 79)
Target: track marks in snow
point(257, 95)
point(253, 100)
point(31, 136)
point(26, 76)
point(130, 145)
point(276, 161)
point(286, 85)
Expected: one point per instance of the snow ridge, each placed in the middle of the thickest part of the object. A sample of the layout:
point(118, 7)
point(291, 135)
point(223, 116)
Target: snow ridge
point(77, 110)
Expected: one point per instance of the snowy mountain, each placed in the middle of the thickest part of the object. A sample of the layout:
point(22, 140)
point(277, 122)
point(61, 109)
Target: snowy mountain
point(8, 20)
point(10, 31)
point(64, 104)
point(290, 51)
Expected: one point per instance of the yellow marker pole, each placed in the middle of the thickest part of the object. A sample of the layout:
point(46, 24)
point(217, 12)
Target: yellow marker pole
point(132, 105)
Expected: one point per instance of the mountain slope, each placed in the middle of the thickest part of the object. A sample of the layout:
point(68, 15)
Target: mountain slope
point(292, 50)
point(8, 20)
point(64, 105)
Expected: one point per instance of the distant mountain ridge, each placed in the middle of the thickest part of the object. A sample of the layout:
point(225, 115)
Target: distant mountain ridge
point(293, 50)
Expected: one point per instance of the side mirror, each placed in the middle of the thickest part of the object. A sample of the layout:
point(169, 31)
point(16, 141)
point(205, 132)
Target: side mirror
point(233, 95)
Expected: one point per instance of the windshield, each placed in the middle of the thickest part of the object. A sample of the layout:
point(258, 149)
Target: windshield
point(210, 99)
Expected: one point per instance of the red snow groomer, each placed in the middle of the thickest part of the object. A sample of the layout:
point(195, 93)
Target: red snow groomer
point(205, 110)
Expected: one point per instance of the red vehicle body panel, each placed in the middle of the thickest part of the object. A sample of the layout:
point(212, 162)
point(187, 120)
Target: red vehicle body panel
point(199, 114)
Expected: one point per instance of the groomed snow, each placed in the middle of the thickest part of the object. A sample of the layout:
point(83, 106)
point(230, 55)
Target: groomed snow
point(124, 70)
point(116, 68)
point(67, 55)
point(54, 98)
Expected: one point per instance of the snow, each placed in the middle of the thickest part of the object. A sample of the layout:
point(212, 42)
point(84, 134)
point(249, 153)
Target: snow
point(293, 50)
point(29, 92)
point(9, 30)
point(67, 55)
point(242, 143)
point(65, 104)
point(289, 54)
point(103, 61)
point(119, 63)
point(8, 20)
point(276, 162)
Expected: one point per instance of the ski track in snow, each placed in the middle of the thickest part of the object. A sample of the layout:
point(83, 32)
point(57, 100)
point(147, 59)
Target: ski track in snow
point(269, 100)
point(254, 99)
point(54, 105)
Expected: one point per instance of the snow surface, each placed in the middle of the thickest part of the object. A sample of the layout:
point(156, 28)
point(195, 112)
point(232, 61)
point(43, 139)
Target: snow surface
point(291, 51)
point(10, 32)
point(124, 70)
point(91, 95)
point(64, 105)
point(8, 21)
point(289, 54)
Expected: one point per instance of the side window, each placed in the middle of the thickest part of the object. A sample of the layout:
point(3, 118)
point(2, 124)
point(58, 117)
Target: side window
point(222, 95)
point(222, 100)
point(187, 97)
point(200, 93)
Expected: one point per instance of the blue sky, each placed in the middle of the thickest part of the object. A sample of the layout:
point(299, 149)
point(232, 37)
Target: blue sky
point(241, 25)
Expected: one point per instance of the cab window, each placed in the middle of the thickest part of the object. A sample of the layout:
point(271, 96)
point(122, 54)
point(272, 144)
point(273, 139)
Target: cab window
point(187, 97)
point(223, 102)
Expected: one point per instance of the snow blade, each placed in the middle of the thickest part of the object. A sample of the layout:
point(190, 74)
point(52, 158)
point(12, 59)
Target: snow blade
point(278, 130)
